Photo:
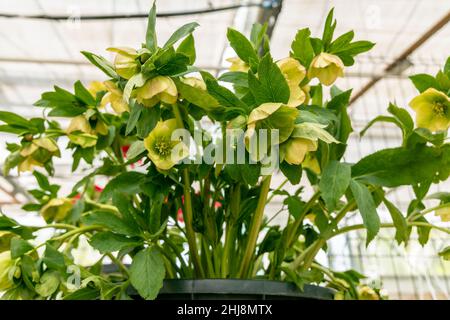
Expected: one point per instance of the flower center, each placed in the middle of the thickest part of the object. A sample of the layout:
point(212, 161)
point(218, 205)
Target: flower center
point(440, 109)
point(163, 147)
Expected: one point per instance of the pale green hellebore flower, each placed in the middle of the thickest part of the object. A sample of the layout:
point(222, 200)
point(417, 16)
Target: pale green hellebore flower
point(238, 65)
point(311, 163)
point(125, 61)
point(56, 209)
point(443, 213)
point(115, 98)
point(5, 240)
point(6, 263)
point(432, 109)
point(295, 149)
point(37, 153)
point(269, 116)
point(327, 68)
point(162, 150)
point(194, 82)
point(159, 88)
point(304, 139)
point(294, 73)
point(80, 132)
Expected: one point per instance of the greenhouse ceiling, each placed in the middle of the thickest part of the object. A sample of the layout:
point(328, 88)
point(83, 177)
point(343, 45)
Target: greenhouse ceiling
point(42, 40)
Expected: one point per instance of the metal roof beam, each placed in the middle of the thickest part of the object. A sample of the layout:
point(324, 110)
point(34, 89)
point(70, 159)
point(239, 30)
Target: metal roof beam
point(402, 57)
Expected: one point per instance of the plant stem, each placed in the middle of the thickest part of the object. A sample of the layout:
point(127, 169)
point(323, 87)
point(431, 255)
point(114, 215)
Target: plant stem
point(308, 255)
point(57, 226)
point(300, 218)
point(255, 227)
point(208, 259)
point(326, 271)
point(76, 231)
point(188, 214)
point(278, 188)
point(388, 225)
point(169, 242)
point(119, 264)
point(424, 212)
point(235, 203)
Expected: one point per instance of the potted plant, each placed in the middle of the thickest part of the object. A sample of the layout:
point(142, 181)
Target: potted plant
point(188, 162)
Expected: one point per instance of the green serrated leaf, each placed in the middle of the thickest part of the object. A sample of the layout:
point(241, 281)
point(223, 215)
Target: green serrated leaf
point(292, 172)
point(180, 33)
point(334, 183)
point(242, 46)
point(367, 209)
point(19, 247)
point(101, 63)
point(187, 48)
point(401, 227)
point(83, 94)
point(424, 81)
point(150, 35)
point(147, 273)
point(111, 221)
point(127, 182)
point(302, 48)
point(110, 242)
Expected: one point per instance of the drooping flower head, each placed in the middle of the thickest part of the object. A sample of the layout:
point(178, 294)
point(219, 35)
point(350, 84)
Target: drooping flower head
point(268, 116)
point(294, 73)
point(163, 150)
point(115, 98)
point(56, 209)
point(157, 89)
point(295, 149)
point(37, 153)
point(84, 133)
point(432, 109)
point(327, 68)
point(304, 139)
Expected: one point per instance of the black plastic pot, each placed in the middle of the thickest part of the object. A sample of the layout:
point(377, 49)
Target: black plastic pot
point(234, 289)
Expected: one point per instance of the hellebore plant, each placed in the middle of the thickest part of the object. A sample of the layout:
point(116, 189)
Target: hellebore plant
point(177, 206)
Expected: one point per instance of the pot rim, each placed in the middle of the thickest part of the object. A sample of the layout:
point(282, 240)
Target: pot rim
point(244, 287)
